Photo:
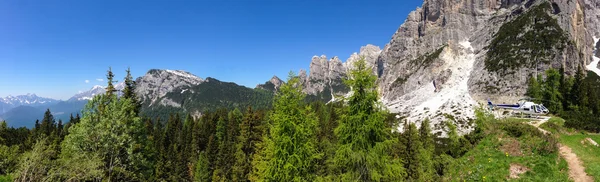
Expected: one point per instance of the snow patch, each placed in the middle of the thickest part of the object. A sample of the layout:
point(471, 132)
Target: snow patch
point(593, 66)
point(97, 87)
point(184, 74)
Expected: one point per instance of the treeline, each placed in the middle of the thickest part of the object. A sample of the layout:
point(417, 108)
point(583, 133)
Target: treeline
point(576, 98)
point(351, 140)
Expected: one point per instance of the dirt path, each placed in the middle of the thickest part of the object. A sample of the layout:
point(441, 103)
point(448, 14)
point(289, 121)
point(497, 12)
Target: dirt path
point(576, 169)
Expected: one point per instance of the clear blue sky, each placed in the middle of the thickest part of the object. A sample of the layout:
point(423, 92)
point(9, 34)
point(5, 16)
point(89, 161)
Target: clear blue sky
point(51, 47)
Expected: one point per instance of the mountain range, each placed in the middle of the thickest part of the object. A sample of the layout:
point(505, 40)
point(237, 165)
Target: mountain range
point(446, 59)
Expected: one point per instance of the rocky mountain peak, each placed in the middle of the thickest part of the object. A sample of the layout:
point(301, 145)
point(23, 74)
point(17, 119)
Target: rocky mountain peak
point(369, 52)
point(157, 83)
point(448, 55)
point(272, 85)
point(276, 81)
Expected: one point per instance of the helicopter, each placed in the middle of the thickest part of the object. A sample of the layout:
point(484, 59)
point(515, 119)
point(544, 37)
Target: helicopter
point(523, 107)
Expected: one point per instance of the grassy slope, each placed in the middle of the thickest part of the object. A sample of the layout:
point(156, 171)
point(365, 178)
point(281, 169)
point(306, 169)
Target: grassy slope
point(488, 162)
point(590, 155)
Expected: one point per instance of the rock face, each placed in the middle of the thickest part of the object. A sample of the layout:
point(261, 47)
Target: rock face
point(272, 85)
point(326, 76)
point(153, 86)
point(451, 55)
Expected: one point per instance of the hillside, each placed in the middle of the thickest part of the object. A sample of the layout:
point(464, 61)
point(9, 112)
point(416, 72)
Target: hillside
point(163, 92)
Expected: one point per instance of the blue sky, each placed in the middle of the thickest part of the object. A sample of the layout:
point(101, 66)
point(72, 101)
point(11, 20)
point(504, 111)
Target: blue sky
point(52, 47)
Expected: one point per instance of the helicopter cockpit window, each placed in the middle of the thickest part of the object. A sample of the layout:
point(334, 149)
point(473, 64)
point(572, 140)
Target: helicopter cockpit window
point(537, 108)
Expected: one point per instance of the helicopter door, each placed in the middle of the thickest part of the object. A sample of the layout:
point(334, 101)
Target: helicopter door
point(537, 109)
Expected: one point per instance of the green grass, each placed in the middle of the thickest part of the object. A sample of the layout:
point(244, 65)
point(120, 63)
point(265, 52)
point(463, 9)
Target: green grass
point(590, 155)
point(5, 178)
point(488, 162)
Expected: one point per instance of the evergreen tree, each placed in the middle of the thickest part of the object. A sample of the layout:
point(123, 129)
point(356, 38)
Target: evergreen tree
point(250, 135)
point(291, 141)
point(534, 89)
point(364, 141)
point(186, 136)
point(59, 129)
point(412, 153)
point(219, 172)
point(47, 125)
point(427, 152)
point(110, 88)
point(202, 170)
point(454, 145)
point(552, 95)
point(173, 157)
point(129, 90)
point(578, 96)
point(111, 131)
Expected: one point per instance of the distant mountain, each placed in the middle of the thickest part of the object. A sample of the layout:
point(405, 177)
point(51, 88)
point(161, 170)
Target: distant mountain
point(174, 91)
point(272, 85)
point(10, 102)
point(27, 108)
point(96, 90)
point(23, 116)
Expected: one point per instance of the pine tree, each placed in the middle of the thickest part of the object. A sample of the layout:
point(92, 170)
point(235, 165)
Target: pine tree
point(172, 144)
point(552, 95)
point(412, 153)
point(129, 90)
point(186, 135)
point(110, 88)
point(454, 145)
point(534, 89)
point(364, 141)
point(578, 96)
point(291, 141)
point(250, 135)
point(219, 171)
point(112, 131)
point(427, 152)
point(202, 170)
point(59, 129)
point(47, 125)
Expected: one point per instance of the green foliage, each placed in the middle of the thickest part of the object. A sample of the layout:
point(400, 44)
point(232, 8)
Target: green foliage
point(250, 135)
point(291, 138)
point(364, 142)
point(411, 153)
point(9, 158)
point(492, 157)
point(532, 38)
point(110, 130)
point(425, 60)
point(427, 152)
point(35, 164)
point(534, 89)
point(5, 178)
point(202, 172)
point(551, 94)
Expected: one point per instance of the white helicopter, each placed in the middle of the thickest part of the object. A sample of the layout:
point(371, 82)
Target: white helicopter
point(523, 107)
